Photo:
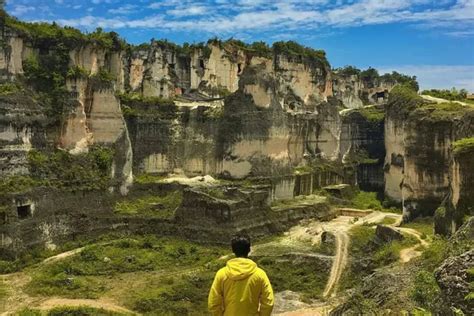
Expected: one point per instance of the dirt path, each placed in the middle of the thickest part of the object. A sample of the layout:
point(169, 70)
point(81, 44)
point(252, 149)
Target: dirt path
point(100, 304)
point(410, 253)
point(63, 255)
point(340, 261)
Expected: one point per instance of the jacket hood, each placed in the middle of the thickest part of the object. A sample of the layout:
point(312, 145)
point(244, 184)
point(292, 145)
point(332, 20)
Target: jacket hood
point(240, 268)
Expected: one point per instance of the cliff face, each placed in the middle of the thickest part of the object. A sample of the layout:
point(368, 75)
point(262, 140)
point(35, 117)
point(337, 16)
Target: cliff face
point(418, 140)
point(226, 109)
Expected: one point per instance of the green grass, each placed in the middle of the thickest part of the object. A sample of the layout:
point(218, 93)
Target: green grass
point(146, 178)
point(306, 277)
point(388, 221)
point(424, 225)
point(184, 294)
point(69, 311)
point(463, 146)
point(151, 205)
point(442, 111)
point(82, 276)
point(366, 254)
point(389, 253)
point(372, 113)
point(30, 312)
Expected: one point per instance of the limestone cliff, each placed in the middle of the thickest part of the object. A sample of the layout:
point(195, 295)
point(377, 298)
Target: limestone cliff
point(418, 138)
point(224, 108)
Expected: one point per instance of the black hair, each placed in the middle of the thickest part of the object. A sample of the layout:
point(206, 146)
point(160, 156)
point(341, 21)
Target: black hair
point(240, 245)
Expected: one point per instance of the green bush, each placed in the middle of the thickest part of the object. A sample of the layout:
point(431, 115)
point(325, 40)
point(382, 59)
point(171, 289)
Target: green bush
point(77, 72)
point(425, 289)
point(9, 88)
point(366, 200)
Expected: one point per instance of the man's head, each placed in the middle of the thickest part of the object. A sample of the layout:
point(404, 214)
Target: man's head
point(241, 246)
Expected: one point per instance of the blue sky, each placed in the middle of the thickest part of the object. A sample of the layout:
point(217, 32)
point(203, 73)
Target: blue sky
point(431, 39)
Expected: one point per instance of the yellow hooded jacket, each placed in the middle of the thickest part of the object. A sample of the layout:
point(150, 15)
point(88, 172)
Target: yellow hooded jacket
point(241, 289)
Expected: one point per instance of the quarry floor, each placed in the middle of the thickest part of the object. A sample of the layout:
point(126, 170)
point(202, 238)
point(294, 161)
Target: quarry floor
point(287, 303)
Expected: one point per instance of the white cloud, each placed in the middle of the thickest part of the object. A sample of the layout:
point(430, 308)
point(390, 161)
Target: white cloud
point(188, 11)
point(20, 10)
point(237, 16)
point(436, 76)
point(125, 9)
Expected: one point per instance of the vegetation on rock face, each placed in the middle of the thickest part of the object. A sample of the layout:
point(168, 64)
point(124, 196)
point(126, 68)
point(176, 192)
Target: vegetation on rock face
point(47, 75)
point(463, 146)
point(68, 172)
point(50, 34)
point(372, 114)
point(403, 99)
point(293, 49)
point(135, 105)
point(451, 95)
point(371, 77)
point(441, 111)
point(151, 206)
point(64, 171)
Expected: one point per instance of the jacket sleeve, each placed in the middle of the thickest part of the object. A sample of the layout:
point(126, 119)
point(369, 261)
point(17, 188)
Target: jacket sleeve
point(215, 301)
point(266, 298)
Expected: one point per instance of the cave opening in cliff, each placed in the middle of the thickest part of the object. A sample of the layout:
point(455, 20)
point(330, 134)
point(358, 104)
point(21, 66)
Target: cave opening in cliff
point(201, 63)
point(24, 211)
point(239, 69)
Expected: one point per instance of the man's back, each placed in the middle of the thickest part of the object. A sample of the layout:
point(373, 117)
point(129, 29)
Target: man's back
point(241, 289)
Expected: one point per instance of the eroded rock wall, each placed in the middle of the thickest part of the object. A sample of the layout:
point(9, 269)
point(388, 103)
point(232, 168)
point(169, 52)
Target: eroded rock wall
point(418, 143)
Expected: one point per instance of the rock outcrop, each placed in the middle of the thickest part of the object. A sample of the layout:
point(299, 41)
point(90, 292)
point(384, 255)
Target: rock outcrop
point(453, 278)
point(418, 138)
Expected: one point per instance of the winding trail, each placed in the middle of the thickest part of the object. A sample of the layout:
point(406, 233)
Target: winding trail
point(340, 228)
point(340, 261)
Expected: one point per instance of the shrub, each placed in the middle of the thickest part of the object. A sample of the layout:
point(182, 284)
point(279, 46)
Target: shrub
point(425, 289)
point(77, 72)
point(9, 88)
point(367, 200)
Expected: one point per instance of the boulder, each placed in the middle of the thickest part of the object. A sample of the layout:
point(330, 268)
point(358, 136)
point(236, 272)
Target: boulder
point(387, 233)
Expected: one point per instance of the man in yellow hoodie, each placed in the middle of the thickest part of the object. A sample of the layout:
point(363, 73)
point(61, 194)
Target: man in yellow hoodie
point(241, 288)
